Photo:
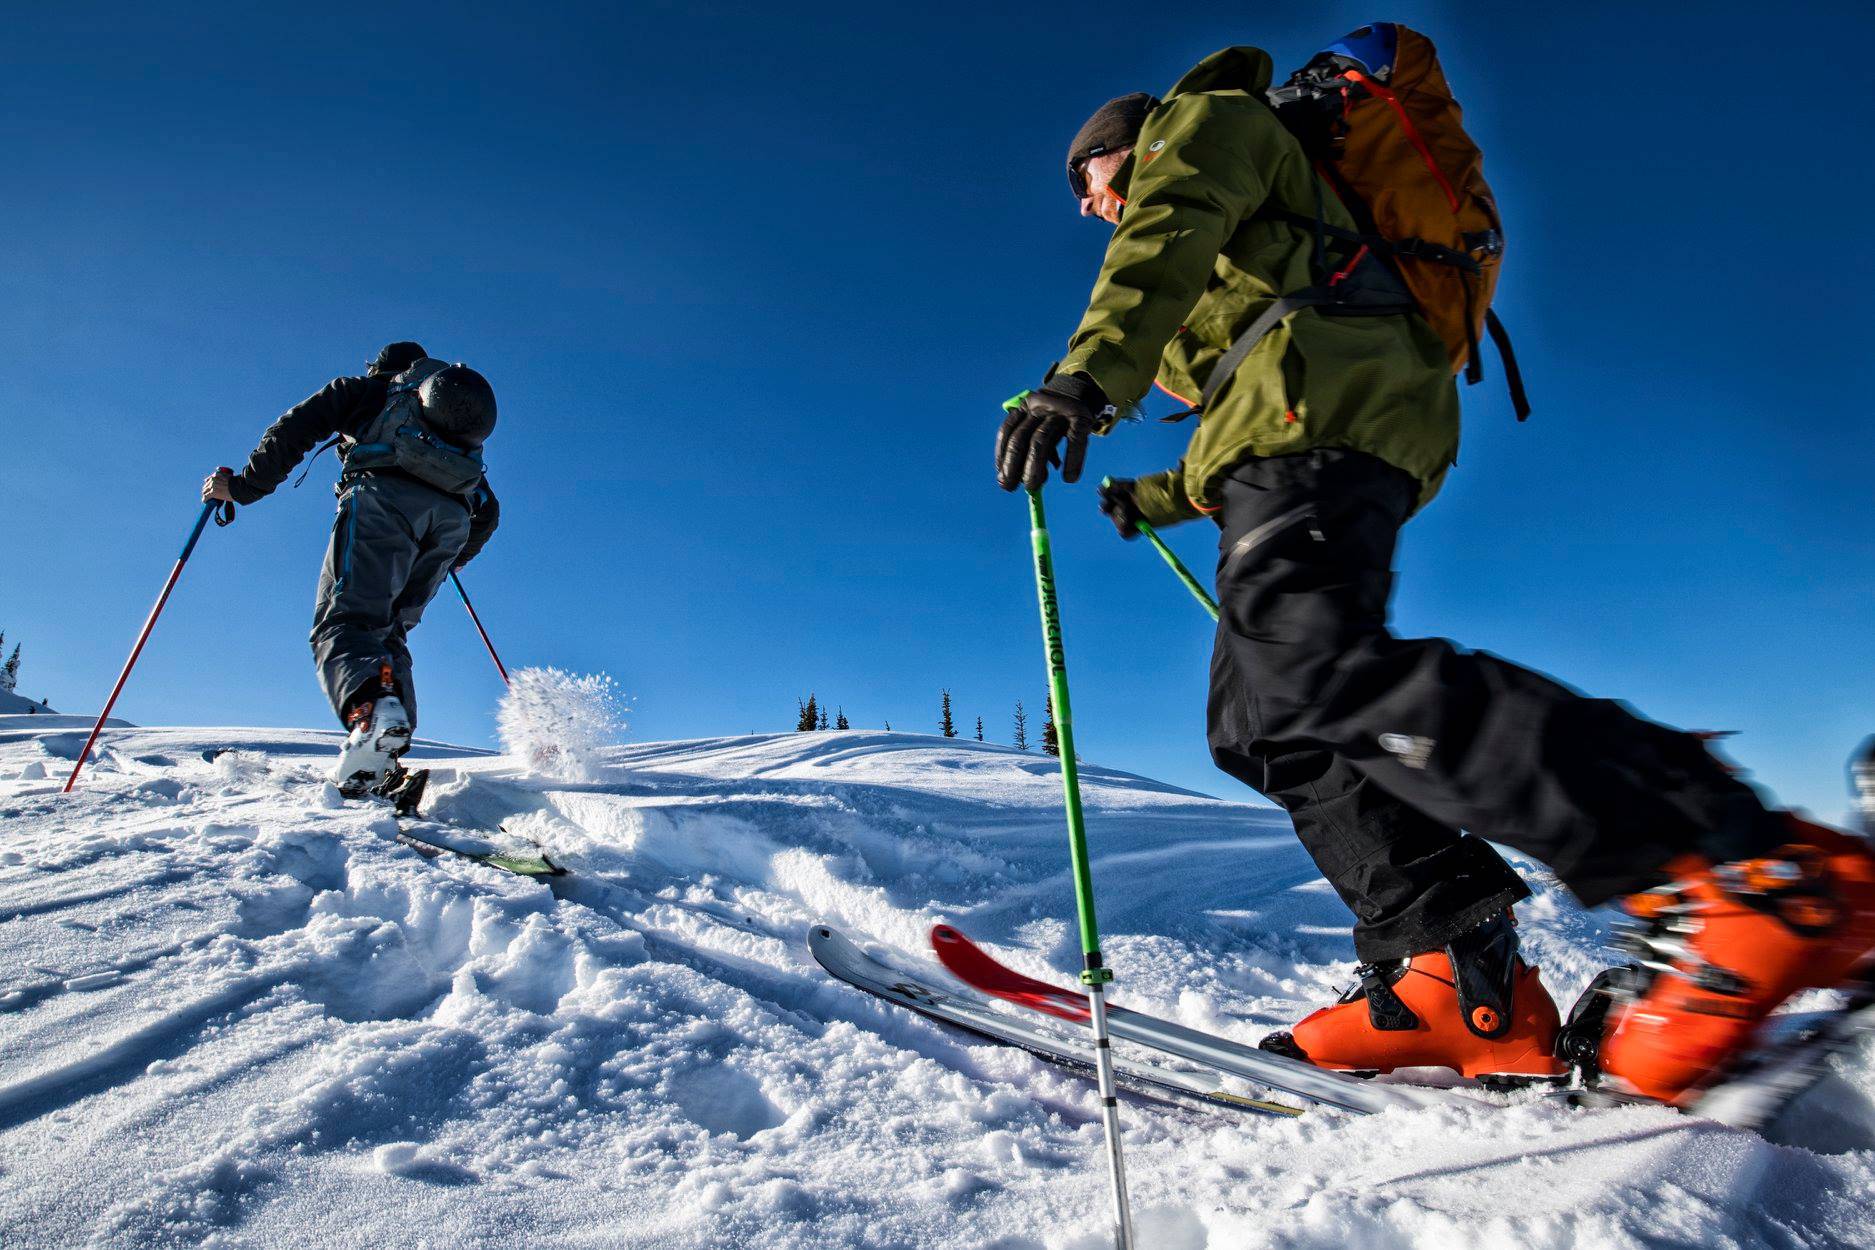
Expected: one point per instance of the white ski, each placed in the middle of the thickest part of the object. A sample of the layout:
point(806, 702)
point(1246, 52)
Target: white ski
point(846, 961)
point(976, 968)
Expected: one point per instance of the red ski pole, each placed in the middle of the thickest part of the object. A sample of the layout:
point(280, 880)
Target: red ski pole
point(499, 666)
point(208, 510)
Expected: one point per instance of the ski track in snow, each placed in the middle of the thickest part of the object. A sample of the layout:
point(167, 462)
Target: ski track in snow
point(236, 1012)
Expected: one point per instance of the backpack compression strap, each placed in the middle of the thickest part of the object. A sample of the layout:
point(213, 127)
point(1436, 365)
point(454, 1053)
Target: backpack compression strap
point(1513, 376)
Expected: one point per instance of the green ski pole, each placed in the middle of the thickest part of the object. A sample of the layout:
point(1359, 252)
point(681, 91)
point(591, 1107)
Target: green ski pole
point(1095, 973)
point(1192, 584)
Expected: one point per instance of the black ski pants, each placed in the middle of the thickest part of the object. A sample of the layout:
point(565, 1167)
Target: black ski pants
point(1382, 748)
point(393, 543)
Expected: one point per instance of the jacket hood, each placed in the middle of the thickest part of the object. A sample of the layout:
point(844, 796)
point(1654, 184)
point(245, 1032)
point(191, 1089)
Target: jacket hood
point(1241, 68)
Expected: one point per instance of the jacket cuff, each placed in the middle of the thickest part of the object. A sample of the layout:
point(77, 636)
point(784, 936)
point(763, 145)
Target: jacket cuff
point(1161, 499)
point(1107, 374)
point(244, 493)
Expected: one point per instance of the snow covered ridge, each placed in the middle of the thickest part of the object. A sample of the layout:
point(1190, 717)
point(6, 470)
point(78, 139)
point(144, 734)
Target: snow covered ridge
point(232, 1013)
point(12, 704)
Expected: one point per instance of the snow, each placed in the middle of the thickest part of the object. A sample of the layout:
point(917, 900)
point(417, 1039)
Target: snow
point(238, 1012)
point(558, 724)
point(12, 704)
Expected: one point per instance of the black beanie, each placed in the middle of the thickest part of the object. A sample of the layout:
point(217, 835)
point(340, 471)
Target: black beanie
point(395, 358)
point(1115, 124)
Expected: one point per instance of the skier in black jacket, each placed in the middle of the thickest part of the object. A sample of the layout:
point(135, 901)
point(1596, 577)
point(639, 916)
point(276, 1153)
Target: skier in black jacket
point(414, 505)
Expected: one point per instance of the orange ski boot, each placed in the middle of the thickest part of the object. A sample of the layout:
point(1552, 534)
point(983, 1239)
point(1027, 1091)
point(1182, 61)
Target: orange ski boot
point(1474, 1006)
point(1727, 944)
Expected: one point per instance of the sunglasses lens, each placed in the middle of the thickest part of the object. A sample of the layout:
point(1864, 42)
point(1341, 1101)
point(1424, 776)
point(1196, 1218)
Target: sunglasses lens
point(1077, 173)
point(1077, 179)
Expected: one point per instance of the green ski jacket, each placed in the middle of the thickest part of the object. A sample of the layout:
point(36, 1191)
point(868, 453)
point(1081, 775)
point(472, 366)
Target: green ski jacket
point(1198, 254)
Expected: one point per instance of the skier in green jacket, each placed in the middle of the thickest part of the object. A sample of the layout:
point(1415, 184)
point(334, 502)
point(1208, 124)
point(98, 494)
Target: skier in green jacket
point(1310, 457)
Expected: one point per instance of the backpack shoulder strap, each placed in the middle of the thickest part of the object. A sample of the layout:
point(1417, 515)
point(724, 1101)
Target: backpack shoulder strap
point(1259, 329)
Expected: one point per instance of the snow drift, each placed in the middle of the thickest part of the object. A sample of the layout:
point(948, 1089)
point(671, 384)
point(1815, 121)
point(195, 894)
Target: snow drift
point(234, 1010)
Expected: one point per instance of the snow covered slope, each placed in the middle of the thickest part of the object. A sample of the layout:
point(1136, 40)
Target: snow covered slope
point(12, 704)
point(234, 1010)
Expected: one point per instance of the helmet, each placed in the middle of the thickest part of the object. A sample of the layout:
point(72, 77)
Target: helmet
point(1371, 47)
point(459, 404)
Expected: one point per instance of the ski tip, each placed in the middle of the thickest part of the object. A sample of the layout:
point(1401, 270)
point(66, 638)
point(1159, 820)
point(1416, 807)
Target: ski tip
point(944, 935)
point(826, 944)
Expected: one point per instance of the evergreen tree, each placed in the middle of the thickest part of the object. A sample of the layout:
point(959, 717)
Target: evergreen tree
point(810, 715)
point(979, 729)
point(1022, 728)
point(839, 721)
point(10, 671)
point(888, 726)
point(945, 725)
point(821, 723)
point(1051, 738)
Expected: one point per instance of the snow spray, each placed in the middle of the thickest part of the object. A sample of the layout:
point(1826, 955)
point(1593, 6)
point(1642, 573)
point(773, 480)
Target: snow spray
point(556, 724)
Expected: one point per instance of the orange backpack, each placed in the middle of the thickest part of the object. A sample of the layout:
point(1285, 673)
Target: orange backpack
point(1375, 114)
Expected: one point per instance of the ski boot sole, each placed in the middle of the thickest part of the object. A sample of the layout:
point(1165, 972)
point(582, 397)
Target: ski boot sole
point(1500, 1082)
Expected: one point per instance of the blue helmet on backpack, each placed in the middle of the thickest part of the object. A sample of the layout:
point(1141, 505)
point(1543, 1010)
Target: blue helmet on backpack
point(1370, 47)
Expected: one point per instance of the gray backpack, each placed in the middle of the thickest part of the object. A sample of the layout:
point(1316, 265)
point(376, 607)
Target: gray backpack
point(397, 438)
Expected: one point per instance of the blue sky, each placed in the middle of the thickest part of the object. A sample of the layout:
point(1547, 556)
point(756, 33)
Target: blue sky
point(751, 282)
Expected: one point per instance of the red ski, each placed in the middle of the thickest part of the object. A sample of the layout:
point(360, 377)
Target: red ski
point(978, 969)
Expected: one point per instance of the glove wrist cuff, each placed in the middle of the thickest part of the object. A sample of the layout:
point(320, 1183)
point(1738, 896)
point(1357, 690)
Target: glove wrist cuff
point(1082, 389)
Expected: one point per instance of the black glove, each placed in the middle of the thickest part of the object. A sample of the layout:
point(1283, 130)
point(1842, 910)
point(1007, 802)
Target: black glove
point(1065, 406)
point(1118, 505)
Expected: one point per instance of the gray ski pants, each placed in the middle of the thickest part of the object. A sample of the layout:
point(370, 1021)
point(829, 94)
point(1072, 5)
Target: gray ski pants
point(393, 543)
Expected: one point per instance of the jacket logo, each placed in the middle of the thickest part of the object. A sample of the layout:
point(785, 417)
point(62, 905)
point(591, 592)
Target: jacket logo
point(1414, 752)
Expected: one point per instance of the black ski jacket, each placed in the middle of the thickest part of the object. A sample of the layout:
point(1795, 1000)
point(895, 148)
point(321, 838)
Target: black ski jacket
point(342, 406)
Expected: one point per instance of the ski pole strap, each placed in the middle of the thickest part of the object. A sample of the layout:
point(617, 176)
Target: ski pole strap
point(224, 512)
